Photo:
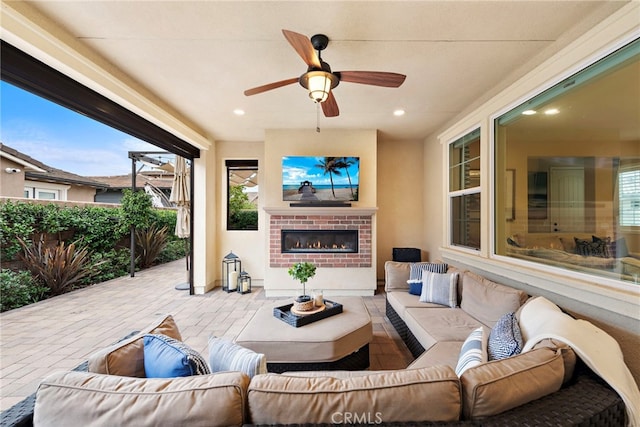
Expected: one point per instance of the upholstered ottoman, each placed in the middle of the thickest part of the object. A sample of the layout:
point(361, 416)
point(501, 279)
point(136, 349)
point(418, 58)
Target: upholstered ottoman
point(339, 342)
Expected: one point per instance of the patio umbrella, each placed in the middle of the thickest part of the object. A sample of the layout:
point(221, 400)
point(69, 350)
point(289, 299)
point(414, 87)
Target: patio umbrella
point(181, 197)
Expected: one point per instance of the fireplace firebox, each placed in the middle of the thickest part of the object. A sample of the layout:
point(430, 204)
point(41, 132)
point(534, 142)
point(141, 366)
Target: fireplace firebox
point(314, 241)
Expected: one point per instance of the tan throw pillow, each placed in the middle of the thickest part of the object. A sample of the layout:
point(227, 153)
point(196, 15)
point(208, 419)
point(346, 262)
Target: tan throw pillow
point(426, 394)
point(396, 275)
point(500, 385)
point(126, 358)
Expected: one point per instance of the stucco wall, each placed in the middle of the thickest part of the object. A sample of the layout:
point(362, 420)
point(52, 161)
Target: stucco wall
point(401, 191)
point(11, 184)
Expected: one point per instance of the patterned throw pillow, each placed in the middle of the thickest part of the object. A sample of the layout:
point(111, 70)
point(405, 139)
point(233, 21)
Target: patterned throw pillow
point(225, 355)
point(415, 274)
point(440, 288)
point(165, 357)
point(473, 351)
point(599, 248)
point(505, 339)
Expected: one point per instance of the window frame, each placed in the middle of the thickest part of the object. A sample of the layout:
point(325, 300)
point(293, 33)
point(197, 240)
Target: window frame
point(574, 72)
point(452, 194)
point(230, 165)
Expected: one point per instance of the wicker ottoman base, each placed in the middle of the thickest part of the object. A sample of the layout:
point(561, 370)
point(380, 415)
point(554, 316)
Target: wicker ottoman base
point(356, 361)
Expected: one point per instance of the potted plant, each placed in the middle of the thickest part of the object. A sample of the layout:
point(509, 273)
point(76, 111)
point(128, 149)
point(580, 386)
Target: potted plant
point(303, 271)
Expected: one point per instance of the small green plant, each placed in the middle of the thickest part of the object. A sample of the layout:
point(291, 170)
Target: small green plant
point(59, 267)
point(302, 272)
point(19, 289)
point(149, 244)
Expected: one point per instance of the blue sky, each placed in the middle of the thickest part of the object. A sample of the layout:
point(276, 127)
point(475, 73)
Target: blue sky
point(62, 138)
point(298, 169)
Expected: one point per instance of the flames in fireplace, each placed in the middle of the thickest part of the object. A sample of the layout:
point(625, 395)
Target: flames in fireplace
point(313, 241)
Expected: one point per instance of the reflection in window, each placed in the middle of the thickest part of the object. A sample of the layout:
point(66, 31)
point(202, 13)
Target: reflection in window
point(575, 153)
point(464, 190)
point(629, 197)
point(242, 194)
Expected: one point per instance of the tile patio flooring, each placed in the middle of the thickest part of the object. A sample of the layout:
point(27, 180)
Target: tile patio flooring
point(59, 333)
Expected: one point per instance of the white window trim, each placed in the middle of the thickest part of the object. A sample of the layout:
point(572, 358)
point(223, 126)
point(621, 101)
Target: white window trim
point(449, 195)
point(33, 186)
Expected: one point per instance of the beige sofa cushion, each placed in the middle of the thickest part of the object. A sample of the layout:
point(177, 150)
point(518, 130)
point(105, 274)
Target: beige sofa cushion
point(434, 325)
point(396, 275)
point(87, 399)
point(400, 301)
point(568, 355)
point(441, 353)
point(429, 394)
point(126, 358)
point(500, 385)
point(487, 301)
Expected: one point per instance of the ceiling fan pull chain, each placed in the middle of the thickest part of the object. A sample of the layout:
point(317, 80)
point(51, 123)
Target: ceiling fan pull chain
point(318, 117)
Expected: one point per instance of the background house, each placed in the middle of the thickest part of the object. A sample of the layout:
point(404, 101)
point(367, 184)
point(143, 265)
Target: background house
point(26, 177)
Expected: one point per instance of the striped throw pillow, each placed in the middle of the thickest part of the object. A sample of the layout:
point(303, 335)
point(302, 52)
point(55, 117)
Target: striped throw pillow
point(225, 355)
point(473, 351)
point(415, 274)
point(440, 288)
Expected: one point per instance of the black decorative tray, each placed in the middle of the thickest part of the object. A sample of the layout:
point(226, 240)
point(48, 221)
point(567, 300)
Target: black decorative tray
point(284, 313)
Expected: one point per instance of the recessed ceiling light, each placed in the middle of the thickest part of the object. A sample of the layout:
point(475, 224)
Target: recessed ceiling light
point(398, 113)
point(238, 112)
point(551, 111)
point(529, 112)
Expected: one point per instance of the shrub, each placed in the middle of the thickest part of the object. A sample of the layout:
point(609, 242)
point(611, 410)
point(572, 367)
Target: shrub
point(19, 289)
point(108, 265)
point(175, 249)
point(58, 267)
point(149, 244)
point(136, 210)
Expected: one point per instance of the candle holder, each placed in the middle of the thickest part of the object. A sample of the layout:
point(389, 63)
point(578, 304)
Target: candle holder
point(244, 283)
point(231, 266)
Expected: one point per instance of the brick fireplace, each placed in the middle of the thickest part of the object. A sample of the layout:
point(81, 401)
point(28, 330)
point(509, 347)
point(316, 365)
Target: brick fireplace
point(322, 236)
point(361, 224)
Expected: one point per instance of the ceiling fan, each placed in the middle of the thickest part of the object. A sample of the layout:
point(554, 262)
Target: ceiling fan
point(319, 80)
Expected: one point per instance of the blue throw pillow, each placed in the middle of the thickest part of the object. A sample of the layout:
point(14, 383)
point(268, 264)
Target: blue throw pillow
point(165, 357)
point(415, 288)
point(505, 339)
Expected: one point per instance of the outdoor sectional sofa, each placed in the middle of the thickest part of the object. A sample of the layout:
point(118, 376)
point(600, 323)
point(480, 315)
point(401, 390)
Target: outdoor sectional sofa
point(546, 385)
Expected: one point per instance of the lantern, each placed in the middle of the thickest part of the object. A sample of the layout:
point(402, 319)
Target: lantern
point(231, 267)
point(244, 283)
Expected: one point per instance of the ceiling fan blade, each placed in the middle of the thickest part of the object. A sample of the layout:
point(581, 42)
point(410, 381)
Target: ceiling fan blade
point(303, 46)
point(330, 106)
point(270, 86)
point(375, 78)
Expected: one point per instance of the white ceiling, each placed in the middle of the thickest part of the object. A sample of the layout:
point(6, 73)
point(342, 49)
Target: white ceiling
point(199, 56)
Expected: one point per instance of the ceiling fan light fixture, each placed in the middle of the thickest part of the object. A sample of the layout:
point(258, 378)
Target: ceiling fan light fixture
point(319, 84)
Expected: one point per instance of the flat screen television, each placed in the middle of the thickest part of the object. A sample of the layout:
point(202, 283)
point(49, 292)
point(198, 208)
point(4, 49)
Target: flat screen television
point(320, 179)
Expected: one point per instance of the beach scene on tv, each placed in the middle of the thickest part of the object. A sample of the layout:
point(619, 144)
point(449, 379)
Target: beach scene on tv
point(318, 179)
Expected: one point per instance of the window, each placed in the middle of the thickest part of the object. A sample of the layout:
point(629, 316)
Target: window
point(242, 194)
point(464, 190)
point(574, 150)
point(45, 191)
point(629, 197)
